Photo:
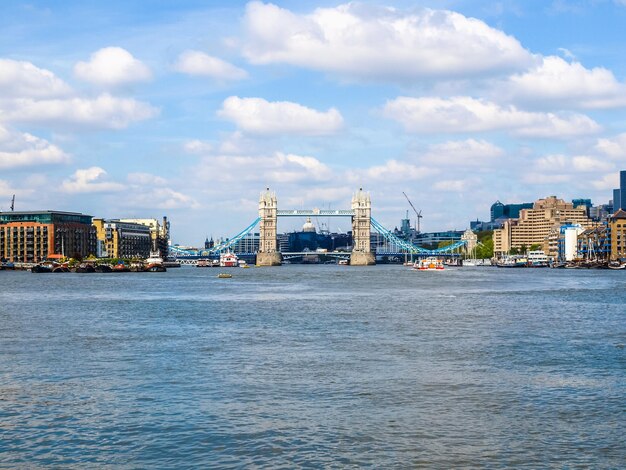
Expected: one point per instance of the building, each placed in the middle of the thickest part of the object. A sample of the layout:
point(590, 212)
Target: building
point(594, 244)
point(30, 237)
point(617, 227)
point(568, 242)
point(159, 233)
point(535, 225)
point(117, 239)
point(248, 244)
point(508, 211)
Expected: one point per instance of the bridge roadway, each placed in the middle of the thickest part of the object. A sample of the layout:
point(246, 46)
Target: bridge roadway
point(315, 213)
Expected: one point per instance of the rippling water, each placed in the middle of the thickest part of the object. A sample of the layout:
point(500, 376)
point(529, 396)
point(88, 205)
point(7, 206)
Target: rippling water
point(313, 366)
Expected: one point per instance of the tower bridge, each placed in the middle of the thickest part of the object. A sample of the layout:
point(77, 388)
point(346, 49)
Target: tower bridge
point(268, 253)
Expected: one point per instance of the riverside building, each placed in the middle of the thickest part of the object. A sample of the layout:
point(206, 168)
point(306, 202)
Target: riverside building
point(159, 233)
point(534, 226)
point(117, 239)
point(617, 227)
point(33, 236)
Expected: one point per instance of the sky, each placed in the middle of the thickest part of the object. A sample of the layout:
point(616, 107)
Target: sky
point(190, 109)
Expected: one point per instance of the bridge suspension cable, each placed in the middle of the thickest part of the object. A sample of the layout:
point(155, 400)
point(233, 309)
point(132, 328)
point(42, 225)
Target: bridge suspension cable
point(411, 248)
point(217, 248)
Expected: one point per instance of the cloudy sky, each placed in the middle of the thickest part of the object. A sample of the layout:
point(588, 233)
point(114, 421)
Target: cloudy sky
point(189, 109)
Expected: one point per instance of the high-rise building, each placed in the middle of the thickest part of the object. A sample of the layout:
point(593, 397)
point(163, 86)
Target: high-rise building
point(622, 192)
point(617, 199)
point(508, 211)
point(33, 236)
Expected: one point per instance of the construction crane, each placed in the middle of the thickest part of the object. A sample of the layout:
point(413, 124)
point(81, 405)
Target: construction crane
point(418, 214)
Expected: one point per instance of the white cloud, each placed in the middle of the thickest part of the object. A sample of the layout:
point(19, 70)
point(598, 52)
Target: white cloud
point(586, 164)
point(266, 170)
point(533, 178)
point(112, 66)
point(458, 185)
point(104, 111)
point(151, 197)
point(23, 149)
point(391, 170)
point(90, 180)
point(258, 116)
point(365, 42)
point(574, 164)
point(145, 179)
point(566, 83)
point(464, 153)
point(465, 114)
point(200, 64)
point(23, 79)
point(197, 146)
point(607, 182)
point(614, 148)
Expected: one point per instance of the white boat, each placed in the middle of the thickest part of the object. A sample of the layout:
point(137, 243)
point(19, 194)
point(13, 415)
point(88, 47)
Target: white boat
point(228, 260)
point(154, 263)
point(343, 262)
point(429, 264)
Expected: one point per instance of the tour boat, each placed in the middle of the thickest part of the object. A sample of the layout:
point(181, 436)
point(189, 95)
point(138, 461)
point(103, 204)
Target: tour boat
point(204, 263)
point(224, 275)
point(429, 264)
point(228, 260)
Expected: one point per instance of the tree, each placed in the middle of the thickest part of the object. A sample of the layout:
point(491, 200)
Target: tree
point(535, 247)
point(485, 249)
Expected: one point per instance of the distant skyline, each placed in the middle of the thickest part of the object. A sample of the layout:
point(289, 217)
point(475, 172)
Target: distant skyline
point(190, 109)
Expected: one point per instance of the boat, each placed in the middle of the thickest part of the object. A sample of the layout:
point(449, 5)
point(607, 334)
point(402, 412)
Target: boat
point(242, 263)
point(228, 260)
point(121, 268)
point(343, 262)
point(429, 264)
point(515, 261)
point(616, 265)
point(44, 267)
point(7, 265)
point(154, 263)
point(204, 263)
point(224, 276)
point(104, 268)
point(85, 268)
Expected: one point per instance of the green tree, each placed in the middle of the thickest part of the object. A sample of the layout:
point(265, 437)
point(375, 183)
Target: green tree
point(535, 247)
point(485, 249)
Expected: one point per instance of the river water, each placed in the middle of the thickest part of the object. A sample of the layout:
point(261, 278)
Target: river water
point(314, 367)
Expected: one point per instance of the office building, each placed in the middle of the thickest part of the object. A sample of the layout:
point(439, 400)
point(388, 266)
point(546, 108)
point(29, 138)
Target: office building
point(117, 239)
point(159, 233)
point(535, 225)
point(507, 211)
point(34, 236)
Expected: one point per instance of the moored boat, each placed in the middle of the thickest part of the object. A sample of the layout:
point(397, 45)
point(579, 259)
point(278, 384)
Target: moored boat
point(154, 264)
point(616, 265)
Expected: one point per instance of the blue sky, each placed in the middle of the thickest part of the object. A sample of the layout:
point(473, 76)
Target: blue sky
point(190, 109)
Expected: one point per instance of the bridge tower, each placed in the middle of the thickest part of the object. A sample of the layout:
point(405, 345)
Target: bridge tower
point(361, 251)
point(268, 255)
